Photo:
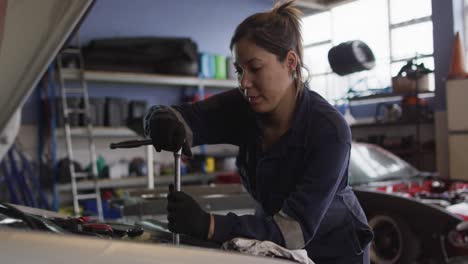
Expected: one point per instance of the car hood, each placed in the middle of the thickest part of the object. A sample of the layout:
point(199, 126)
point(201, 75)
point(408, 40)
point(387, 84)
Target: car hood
point(30, 247)
point(31, 34)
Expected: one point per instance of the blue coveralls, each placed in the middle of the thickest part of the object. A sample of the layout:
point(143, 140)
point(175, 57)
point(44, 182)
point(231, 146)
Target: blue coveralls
point(300, 183)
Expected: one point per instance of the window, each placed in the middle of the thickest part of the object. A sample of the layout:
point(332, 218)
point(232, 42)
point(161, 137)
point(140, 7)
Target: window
point(404, 10)
point(395, 30)
point(412, 40)
point(465, 12)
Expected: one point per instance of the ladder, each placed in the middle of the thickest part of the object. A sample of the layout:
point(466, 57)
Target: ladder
point(74, 55)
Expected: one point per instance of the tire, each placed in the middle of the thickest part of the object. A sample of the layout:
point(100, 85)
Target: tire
point(351, 56)
point(394, 242)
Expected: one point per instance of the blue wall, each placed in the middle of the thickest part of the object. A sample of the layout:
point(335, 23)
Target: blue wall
point(210, 23)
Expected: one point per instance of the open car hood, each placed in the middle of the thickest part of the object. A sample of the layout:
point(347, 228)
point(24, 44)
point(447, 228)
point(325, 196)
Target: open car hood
point(31, 34)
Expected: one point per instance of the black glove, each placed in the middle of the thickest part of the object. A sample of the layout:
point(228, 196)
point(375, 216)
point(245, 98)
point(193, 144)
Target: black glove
point(168, 133)
point(185, 215)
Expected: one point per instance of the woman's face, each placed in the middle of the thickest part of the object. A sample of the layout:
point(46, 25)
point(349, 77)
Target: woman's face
point(266, 83)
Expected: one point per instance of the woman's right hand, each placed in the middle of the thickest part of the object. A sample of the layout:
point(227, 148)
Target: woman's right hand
point(166, 131)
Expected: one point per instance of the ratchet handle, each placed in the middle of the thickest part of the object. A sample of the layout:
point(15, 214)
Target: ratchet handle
point(177, 154)
point(131, 144)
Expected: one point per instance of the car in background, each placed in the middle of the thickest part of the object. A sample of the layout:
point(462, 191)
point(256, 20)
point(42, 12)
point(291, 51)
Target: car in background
point(416, 216)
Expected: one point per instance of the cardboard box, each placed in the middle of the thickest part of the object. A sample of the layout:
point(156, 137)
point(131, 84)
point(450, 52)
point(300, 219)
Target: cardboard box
point(404, 85)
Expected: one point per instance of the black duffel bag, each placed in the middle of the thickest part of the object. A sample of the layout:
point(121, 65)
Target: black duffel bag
point(178, 56)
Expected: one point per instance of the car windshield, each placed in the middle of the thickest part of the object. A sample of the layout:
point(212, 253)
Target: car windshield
point(370, 163)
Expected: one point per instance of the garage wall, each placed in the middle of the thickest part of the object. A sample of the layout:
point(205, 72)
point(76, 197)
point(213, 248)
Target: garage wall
point(447, 19)
point(210, 23)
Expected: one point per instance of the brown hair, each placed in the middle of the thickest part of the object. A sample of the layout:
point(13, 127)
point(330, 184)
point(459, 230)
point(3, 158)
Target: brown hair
point(277, 31)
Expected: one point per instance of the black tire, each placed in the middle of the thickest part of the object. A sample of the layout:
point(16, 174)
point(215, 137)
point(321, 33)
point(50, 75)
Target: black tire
point(394, 242)
point(351, 56)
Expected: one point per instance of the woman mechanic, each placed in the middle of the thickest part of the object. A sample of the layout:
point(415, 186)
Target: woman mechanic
point(294, 149)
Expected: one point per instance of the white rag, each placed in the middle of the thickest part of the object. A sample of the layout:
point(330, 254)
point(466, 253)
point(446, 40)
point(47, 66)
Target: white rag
point(266, 249)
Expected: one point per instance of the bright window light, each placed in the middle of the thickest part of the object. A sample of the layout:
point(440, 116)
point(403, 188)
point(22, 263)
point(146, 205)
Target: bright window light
point(319, 84)
point(316, 59)
point(369, 23)
point(466, 30)
point(404, 10)
point(316, 28)
point(412, 40)
point(328, 86)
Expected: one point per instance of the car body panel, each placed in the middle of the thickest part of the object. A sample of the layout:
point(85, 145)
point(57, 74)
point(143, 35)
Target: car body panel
point(33, 32)
point(388, 187)
point(42, 248)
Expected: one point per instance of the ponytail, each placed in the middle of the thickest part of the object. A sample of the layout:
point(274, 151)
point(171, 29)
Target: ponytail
point(277, 31)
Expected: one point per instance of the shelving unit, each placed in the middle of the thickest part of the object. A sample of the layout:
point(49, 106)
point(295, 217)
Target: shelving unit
point(389, 124)
point(143, 78)
point(385, 98)
point(100, 132)
point(135, 182)
point(392, 135)
point(121, 132)
point(139, 78)
point(412, 137)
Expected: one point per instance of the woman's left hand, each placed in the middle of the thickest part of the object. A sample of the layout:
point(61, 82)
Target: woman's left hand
point(186, 216)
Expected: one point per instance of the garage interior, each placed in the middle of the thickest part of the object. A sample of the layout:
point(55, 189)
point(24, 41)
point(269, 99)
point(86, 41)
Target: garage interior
point(395, 70)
